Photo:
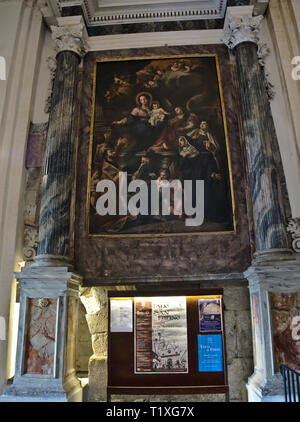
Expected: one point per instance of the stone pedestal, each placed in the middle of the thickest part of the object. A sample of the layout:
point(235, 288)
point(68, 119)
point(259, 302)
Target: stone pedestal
point(45, 360)
point(275, 307)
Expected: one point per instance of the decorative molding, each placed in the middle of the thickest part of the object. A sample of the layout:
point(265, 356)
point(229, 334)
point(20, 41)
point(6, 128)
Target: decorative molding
point(109, 12)
point(44, 302)
point(239, 29)
point(262, 52)
point(240, 26)
point(70, 38)
point(30, 243)
point(294, 228)
point(49, 8)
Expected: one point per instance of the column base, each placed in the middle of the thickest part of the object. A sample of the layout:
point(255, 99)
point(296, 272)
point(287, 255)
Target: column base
point(274, 298)
point(270, 390)
point(25, 391)
point(46, 260)
point(45, 358)
point(272, 255)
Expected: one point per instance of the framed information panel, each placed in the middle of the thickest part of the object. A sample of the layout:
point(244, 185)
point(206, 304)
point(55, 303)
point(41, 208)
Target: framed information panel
point(173, 342)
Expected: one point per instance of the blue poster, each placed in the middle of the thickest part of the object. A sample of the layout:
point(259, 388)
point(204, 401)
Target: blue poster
point(210, 352)
point(210, 314)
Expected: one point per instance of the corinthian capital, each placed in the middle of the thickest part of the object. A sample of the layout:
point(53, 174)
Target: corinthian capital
point(70, 38)
point(241, 28)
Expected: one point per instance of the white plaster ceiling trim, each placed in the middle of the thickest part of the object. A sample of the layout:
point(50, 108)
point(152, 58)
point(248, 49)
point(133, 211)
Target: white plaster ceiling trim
point(108, 12)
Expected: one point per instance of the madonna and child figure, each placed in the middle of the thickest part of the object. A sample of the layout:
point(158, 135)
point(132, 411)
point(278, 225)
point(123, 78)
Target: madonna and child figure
point(166, 121)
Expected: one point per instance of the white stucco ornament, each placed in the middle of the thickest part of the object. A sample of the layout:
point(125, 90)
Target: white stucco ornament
point(294, 228)
point(262, 53)
point(240, 29)
point(69, 38)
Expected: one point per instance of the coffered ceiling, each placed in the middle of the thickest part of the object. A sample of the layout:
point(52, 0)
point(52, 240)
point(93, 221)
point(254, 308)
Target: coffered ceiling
point(115, 12)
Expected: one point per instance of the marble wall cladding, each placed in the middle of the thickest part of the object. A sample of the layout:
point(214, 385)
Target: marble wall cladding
point(285, 308)
point(257, 337)
point(133, 28)
point(32, 197)
point(40, 336)
point(101, 259)
point(36, 144)
point(71, 335)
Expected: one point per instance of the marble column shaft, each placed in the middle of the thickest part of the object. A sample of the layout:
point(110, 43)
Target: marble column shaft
point(268, 210)
point(58, 162)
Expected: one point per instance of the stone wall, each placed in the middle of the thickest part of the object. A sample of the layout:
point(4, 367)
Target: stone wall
point(285, 316)
point(238, 343)
point(84, 344)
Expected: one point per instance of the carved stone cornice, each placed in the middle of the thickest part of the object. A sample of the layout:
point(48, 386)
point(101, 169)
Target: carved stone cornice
point(239, 29)
point(70, 38)
point(30, 244)
point(112, 12)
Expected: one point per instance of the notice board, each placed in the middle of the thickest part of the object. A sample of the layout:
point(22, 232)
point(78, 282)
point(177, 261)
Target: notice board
point(172, 342)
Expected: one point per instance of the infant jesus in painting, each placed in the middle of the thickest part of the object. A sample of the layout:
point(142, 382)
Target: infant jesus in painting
point(157, 114)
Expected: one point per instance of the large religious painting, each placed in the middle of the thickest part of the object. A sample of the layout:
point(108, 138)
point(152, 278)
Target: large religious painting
point(159, 153)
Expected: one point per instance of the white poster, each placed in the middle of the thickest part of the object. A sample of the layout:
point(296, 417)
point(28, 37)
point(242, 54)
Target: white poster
point(121, 316)
point(161, 335)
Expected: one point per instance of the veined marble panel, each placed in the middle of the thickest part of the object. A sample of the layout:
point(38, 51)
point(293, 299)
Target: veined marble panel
point(40, 337)
point(284, 308)
point(71, 332)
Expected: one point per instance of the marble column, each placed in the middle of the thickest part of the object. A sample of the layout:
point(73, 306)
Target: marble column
point(274, 265)
point(46, 347)
point(54, 227)
point(260, 136)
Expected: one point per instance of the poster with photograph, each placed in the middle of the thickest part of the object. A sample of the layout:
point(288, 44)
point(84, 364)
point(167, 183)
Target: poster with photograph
point(161, 335)
point(210, 314)
point(121, 316)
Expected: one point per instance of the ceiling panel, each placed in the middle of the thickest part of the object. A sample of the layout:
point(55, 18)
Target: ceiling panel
point(108, 12)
